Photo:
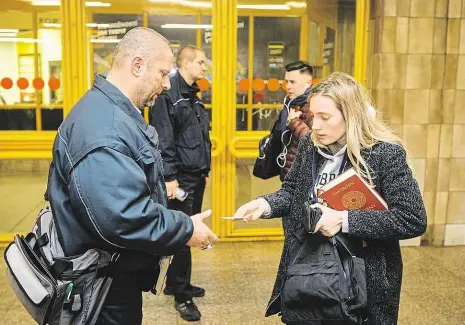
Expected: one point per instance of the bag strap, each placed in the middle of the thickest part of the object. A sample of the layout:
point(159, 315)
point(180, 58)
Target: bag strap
point(111, 269)
point(342, 244)
point(47, 194)
point(59, 266)
point(275, 124)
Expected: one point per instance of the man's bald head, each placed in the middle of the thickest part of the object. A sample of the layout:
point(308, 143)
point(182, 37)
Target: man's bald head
point(142, 61)
point(140, 41)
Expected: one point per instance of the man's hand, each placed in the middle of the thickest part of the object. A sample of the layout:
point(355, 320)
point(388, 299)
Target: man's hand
point(293, 114)
point(330, 222)
point(207, 179)
point(252, 210)
point(202, 235)
point(171, 189)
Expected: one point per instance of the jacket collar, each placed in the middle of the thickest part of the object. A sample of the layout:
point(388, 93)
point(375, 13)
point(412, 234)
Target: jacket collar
point(300, 100)
point(184, 87)
point(121, 101)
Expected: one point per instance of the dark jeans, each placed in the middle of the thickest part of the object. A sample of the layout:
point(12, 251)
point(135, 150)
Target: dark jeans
point(179, 272)
point(123, 304)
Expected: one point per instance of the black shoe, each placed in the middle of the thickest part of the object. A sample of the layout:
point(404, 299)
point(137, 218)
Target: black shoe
point(195, 291)
point(191, 290)
point(187, 310)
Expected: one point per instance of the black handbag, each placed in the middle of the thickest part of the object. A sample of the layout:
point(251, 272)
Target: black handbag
point(325, 280)
point(269, 149)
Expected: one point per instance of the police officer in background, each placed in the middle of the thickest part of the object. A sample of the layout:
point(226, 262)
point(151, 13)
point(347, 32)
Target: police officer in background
point(182, 124)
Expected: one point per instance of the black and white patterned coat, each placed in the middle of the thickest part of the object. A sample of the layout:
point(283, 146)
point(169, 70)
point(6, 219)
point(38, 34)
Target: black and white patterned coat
point(381, 230)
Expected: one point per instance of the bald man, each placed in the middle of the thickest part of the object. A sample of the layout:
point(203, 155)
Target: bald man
point(106, 183)
point(180, 119)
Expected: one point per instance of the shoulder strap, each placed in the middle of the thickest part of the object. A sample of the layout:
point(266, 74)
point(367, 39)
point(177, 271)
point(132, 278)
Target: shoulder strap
point(46, 194)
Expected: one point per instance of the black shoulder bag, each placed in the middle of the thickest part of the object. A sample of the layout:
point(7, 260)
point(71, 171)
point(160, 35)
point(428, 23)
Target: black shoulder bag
point(269, 149)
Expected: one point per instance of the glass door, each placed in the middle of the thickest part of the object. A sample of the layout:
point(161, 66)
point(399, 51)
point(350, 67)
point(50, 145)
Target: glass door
point(269, 37)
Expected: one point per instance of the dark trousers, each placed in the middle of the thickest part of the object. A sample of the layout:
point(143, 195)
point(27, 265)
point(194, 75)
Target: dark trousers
point(123, 304)
point(179, 272)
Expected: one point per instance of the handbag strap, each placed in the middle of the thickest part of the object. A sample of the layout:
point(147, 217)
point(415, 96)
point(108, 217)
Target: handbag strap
point(47, 194)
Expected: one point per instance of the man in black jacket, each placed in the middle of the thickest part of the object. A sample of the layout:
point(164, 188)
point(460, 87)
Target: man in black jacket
point(106, 186)
point(182, 123)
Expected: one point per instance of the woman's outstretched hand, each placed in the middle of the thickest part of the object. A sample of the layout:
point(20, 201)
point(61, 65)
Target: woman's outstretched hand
point(252, 210)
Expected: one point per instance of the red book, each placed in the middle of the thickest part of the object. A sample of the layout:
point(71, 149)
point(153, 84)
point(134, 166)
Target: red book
point(349, 191)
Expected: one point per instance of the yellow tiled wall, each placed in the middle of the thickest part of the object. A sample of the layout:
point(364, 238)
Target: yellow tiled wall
point(417, 78)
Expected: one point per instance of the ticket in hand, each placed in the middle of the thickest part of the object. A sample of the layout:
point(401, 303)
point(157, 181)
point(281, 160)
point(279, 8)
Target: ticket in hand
point(233, 218)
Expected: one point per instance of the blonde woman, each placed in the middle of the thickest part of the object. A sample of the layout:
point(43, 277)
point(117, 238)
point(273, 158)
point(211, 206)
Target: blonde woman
point(345, 134)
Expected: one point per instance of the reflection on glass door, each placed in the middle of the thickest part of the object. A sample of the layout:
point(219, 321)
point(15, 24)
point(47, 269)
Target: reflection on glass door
point(31, 108)
point(249, 187)
point(276, 44)
point(323, 34)
point(31, 94)
point(260, 68)
point(260, 93)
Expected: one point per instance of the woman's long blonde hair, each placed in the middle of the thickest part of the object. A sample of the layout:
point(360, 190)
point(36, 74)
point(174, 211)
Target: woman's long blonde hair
point(363, 130)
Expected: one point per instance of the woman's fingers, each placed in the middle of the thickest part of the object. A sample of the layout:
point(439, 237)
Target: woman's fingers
point(258, 212)
point(241, 212)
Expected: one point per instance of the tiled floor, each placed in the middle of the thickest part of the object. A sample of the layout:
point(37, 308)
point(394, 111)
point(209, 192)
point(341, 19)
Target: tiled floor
point(21, 197)
point(238, 277)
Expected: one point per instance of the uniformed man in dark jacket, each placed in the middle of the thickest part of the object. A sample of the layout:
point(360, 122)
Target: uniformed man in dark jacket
point(106, 185)
point(182, 124)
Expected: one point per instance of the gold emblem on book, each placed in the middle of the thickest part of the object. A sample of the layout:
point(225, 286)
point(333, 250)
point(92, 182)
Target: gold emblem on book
point(354, 200)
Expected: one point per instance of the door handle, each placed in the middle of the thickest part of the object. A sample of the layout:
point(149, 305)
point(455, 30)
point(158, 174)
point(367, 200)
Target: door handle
point(219, 145)
point(247, 146)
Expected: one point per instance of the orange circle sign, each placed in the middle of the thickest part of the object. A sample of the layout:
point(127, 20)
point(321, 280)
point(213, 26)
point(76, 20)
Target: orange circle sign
point(284, 85)
point(243, 85)
point(203, 84)
point(38, 83)
point(273, 84)
point(54, 83)
point(258, 84)
point(6, 83)
point(22, 83)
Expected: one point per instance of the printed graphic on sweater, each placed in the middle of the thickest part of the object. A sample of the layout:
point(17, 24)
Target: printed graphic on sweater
point(325, 178)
